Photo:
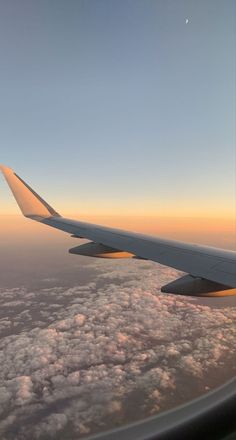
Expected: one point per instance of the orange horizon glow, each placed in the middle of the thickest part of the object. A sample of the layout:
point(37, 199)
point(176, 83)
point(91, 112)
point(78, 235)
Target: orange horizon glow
point(219, 232)
point(130, 210)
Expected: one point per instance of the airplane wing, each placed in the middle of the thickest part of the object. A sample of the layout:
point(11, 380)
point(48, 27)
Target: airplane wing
point(211, 271)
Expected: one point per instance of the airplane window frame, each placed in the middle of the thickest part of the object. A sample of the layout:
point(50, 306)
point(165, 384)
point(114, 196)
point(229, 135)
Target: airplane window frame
point(210, 417)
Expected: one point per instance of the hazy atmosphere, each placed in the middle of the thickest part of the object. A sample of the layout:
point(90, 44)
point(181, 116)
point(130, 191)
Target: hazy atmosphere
point(120, 113)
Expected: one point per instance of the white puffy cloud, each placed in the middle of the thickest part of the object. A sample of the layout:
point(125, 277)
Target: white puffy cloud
point(80, 358)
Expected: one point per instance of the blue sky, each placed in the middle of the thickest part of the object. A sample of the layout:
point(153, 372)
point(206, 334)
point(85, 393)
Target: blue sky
point(120, 103)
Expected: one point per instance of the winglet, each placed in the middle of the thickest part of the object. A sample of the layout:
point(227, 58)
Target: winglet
point(30, 203)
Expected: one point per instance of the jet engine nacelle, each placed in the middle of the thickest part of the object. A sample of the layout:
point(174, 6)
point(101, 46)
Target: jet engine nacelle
point(98, 250)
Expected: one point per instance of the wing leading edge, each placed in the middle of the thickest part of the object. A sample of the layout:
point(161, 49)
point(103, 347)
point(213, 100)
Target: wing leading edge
point(212, 271)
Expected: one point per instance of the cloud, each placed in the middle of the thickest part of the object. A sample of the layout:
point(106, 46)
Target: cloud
point(111, 351)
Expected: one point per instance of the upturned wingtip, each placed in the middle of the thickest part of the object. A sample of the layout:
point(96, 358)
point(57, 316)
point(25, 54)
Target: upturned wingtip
point(4, 168)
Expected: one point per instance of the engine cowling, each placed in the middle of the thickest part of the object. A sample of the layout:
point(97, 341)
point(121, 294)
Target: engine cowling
point(99, 250)
point(194, 286)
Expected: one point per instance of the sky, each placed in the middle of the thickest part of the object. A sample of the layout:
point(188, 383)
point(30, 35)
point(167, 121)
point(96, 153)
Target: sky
point(121, 108)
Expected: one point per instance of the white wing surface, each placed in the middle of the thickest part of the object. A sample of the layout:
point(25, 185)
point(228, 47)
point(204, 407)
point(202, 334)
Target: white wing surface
point(212, 271)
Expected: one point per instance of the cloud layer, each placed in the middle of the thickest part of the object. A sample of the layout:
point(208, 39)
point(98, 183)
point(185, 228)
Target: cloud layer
point(83, 359)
